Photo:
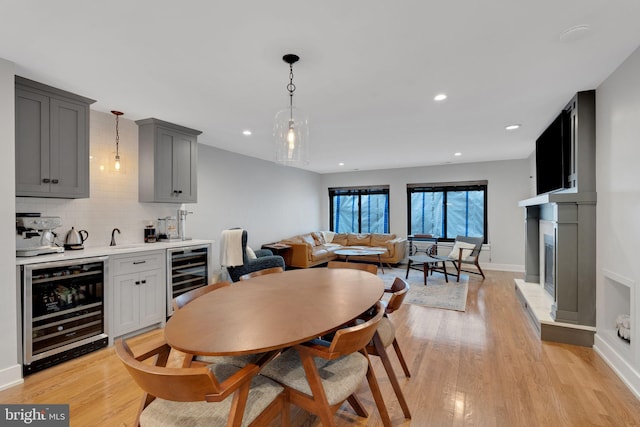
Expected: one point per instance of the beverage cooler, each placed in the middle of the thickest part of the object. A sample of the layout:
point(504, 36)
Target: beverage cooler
point(187, 269)
point(62, 311)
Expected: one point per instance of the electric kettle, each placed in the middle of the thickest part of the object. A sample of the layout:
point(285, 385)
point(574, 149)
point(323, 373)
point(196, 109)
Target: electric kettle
point(75, 239)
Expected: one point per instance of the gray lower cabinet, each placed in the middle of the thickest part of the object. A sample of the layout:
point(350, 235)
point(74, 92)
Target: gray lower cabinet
point(167, 162)
point(138, 291)
point(52, 141)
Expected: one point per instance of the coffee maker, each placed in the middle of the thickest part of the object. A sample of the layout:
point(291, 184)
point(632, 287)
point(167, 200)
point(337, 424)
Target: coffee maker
point(35, 236)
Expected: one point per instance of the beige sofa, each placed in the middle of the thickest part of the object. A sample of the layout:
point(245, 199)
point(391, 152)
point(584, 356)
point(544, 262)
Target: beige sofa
point(315, 248)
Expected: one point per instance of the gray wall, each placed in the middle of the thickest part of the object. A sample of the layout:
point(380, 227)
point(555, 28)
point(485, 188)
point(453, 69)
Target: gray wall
point(508, 183)
point(9, 370)
point(268, 200)
point(618, 217)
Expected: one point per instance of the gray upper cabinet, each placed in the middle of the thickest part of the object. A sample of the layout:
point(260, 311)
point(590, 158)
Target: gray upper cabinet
point(168, 156)
point(52, 141)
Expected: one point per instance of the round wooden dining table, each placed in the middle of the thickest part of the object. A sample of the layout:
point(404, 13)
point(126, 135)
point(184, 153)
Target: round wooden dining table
point(272, 311)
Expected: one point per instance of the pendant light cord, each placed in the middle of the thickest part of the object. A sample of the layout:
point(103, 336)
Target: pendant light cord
point(117, 137)
point(291, 88)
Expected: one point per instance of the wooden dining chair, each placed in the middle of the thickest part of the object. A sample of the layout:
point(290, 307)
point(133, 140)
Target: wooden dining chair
point(215, 395)
point(321, 375)
point(257, 273)
point(191, 360)
point(371, 268)
point(184, 299)
point(386, 335)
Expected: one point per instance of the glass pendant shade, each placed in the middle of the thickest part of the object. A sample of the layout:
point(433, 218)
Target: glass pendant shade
point(291, 132)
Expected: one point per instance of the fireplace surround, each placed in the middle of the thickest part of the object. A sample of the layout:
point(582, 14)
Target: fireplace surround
point(549, 265)
point(560, 229)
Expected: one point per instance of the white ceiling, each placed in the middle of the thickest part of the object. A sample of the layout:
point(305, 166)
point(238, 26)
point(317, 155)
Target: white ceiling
point(368, 72)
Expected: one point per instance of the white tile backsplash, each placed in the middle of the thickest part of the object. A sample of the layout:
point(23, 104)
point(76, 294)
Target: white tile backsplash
point(114, 195)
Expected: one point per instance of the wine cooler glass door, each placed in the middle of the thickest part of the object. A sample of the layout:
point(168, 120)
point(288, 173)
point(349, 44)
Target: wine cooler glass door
point(63, 308)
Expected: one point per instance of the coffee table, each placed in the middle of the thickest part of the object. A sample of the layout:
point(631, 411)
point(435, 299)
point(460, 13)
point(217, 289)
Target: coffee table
point(426, 262)
point(346, 253)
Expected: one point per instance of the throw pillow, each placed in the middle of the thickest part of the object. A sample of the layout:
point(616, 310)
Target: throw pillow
point(340, 239)
point(467, 248)
point(328, 236)
point(318, 237)
point(308, 238)
point(359, 240)
point(378, 239)
point(250, 253)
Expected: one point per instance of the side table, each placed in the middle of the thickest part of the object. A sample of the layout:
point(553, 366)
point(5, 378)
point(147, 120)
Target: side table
point(426, 262)
point(277, 248)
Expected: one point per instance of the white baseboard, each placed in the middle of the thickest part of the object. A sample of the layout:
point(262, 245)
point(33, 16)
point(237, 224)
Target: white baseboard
point(627, 373)
point(503, 267)
point(10, 377)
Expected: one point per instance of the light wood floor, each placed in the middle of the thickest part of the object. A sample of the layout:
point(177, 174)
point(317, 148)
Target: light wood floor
point(482, 367)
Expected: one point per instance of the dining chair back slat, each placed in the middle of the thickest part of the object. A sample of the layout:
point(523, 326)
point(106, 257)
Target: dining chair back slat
point(184, 299)
point(385, 336)
point(177, 384)
point(347, 362)
point(257, 273)
point(353, 265)
point(193, 396)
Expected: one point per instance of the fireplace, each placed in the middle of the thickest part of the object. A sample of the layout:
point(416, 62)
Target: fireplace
point(560, 250)
point(559, 286)
point(549, 275)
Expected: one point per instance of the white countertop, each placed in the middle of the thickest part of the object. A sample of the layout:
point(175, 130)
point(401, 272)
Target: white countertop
point(109, 251)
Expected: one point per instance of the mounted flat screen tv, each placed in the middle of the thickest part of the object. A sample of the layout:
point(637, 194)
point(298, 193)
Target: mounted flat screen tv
point(553, 155)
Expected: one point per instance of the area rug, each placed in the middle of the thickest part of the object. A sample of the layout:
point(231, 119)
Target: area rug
point(437, 293)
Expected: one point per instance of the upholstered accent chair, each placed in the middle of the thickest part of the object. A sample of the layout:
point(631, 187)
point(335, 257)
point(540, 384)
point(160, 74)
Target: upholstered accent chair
point(264, 259)
point(466, 250)
point(214, 395)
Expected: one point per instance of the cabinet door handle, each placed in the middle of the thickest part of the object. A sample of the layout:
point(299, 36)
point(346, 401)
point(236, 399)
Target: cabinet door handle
point(143, 282)
point(179, 191)
point(54, 181)
point(46, 180)
point(137, 282)
point(138, 262)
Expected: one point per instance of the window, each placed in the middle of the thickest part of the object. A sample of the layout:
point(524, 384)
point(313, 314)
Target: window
point(359, 210)
point(448, 210)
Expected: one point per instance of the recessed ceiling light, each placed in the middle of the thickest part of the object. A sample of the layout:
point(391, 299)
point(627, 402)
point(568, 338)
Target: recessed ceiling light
point(341, 164)
point(458, 154)
point(440, 97)
point(246, 132)
point(512, 127)
point(577, 32)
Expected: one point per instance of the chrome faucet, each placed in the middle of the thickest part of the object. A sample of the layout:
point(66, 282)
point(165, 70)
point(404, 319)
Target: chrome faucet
point(113, 237)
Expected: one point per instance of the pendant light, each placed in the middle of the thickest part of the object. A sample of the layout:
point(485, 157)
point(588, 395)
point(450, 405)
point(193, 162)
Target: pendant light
point(291, 127)
point(117, 159)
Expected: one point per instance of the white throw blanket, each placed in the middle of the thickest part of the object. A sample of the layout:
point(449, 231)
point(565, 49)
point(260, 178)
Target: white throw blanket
point(231, 248)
